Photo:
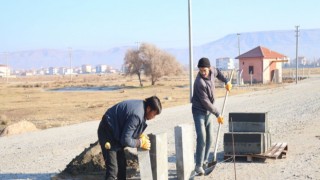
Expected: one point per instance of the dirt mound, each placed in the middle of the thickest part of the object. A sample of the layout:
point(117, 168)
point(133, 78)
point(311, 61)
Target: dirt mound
point(18, 128)
point(90, 164)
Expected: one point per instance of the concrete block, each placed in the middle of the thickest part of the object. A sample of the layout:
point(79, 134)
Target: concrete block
point(184, 150)
point(246, 142)
point(248, 122)
point(159, 156)
point(144, 164)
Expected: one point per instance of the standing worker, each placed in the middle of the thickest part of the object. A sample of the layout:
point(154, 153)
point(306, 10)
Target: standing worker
point(202, 107)
point(122, 126)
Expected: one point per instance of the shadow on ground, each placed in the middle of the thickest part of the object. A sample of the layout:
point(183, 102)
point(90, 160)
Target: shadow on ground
point(26, 176)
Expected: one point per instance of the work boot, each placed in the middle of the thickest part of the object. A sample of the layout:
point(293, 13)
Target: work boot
point(199, 170)
point(205, 165)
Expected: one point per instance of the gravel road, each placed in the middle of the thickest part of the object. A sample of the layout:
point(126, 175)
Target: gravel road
point(294, 117)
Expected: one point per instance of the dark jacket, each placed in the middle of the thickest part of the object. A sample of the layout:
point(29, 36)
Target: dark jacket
point(127, 122)
point(203, 92)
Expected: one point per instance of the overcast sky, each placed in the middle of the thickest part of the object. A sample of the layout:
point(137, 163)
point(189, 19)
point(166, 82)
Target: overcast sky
point(104, 24)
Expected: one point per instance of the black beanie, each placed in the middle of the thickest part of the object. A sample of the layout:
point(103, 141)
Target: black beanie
point(204, 62)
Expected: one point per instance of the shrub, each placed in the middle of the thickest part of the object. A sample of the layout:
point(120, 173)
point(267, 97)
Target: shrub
point(4, 120)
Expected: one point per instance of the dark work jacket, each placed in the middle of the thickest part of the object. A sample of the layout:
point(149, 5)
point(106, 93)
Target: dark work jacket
point(127, 122)
point(203, 92)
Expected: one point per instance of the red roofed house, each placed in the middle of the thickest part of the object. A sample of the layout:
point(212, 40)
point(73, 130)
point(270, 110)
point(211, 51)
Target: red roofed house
point(264, 65)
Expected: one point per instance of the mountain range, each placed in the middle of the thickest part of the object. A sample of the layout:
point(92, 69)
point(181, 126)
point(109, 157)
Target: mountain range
point(283, 42)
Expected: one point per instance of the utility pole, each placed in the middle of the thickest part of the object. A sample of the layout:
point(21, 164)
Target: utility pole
point(70, 57)
point(190, 49)
point(239, 76)
point(238, 44)
point(6, 57)
point(138, 44)
point(297, 37)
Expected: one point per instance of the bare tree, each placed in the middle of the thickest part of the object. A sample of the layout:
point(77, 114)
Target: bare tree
point(158, 63)
point(133, 64)
point(155, 62)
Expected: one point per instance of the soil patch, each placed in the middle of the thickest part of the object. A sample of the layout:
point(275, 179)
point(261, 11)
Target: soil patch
point(18, 128)
point(90, 165)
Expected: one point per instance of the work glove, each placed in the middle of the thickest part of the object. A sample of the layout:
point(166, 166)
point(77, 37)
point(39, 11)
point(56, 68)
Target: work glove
point(107, 145)
point(144, 136)
point(228, 86)
point(220, 120)
point(144, 142)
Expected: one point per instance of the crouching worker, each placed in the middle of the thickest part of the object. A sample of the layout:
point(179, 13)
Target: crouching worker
point(122, 126)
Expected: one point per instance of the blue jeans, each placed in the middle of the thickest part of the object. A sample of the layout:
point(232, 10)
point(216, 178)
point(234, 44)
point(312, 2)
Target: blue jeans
point(204, 130)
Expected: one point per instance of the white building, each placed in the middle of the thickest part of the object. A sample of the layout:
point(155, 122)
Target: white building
point(41, 71)
point(225, 63)
point(53, 71)
point(4, 71)
point(62, 70)
point(101, 68)
point(68, 71)
point(86, 69)
point(113, 71)
point(302, 60)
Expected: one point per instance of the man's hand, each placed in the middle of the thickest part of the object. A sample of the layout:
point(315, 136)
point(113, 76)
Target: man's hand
point(220, 120)
point(228, 86)
point(144, 142)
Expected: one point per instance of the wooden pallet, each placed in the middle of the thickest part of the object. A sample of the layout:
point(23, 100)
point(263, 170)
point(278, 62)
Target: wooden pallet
point(276, 151)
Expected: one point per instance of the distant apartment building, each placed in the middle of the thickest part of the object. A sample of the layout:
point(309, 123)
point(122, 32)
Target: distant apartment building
point(112, 71)
point(53, 71)
point(302, 60)
point(86, 69)
point(42, 72)
point(62, 70)
point(68, 71)
point(288, 62)
point(77, 70)
point(27, 73)
point(4, 71)
point(101, 68)
point(225, 63)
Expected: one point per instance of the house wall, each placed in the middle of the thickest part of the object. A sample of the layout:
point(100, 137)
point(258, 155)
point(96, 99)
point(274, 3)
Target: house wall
point(4, 71)
point(269, 68)
point(279, 67)
point(257, 69)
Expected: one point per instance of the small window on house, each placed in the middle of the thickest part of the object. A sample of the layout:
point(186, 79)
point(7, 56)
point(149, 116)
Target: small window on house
point(250, 69)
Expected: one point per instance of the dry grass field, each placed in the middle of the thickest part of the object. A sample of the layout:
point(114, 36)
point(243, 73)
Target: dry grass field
point(30, 98)
point(301, 71)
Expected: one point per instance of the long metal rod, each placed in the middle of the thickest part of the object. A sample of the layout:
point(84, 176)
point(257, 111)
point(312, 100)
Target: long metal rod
point(234, 157)
point(222, 111)
point(190, 49)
